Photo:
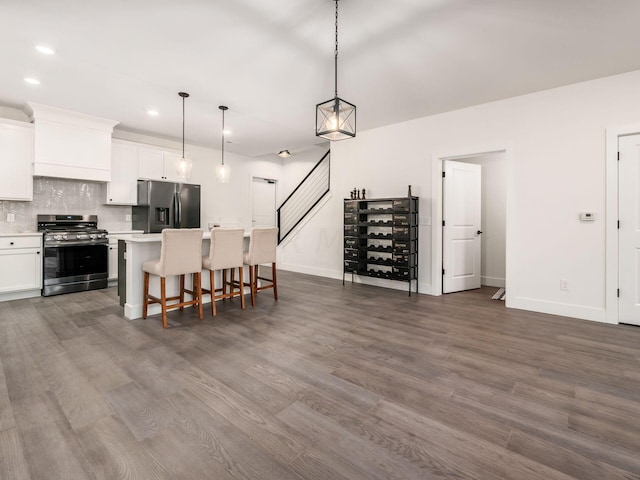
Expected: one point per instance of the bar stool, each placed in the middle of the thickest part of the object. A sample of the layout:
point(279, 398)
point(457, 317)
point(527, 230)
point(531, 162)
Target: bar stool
point(180, 254)
point(262, 250)
point(226, 252)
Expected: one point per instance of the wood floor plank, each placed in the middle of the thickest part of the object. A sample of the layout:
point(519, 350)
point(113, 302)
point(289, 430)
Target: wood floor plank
point(13, 465)
point(113, 452)
point(139, 410)
point(245, 415)
point(563, 459)
point(51, 448)
point(213, 436)
point(343, 382)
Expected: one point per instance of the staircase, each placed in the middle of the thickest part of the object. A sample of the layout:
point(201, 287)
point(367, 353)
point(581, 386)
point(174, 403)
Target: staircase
point(304, 198)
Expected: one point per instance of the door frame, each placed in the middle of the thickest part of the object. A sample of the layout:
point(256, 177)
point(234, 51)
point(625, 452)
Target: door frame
point(612, 253)
point(437, 160)
point(268, 179)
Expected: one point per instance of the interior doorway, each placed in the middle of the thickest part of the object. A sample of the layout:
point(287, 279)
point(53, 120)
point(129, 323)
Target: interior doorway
point(488, 235)
point(263, 199)
point(629, 229)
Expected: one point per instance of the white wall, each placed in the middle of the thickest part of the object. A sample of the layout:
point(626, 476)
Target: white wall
point(557, 140)
point(494, 217)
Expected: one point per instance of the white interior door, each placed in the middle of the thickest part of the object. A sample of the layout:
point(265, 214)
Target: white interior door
point(629, 232)
point(461, 231)
point(264, 202)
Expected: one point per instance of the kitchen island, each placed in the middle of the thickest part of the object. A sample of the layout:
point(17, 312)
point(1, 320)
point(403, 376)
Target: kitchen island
point(135, 249)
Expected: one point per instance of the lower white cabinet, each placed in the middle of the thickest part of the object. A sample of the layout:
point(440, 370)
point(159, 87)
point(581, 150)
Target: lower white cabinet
point(21, 266)
point(113, 259)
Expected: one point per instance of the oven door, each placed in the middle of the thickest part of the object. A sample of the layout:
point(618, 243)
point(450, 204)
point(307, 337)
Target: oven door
point(74, 268)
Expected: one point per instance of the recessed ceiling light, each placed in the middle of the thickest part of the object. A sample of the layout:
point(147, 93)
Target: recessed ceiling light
point(45, 50)
point(227, 132)
point(153, 113)
point(32, 81)
point(284, 153)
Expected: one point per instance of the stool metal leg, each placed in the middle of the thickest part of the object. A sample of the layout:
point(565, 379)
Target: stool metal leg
point(163, 300)
point(145, 303)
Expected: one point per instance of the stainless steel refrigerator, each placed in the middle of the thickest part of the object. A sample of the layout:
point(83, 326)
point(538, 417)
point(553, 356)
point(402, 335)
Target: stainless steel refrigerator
point(166, 205)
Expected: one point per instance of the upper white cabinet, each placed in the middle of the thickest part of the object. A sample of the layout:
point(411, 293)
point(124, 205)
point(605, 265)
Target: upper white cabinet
point(71, 145)
point(158, 164)
point(16, 157)
point(122, 189)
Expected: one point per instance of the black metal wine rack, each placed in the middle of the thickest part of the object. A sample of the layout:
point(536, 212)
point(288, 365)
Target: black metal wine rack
point(381, 238)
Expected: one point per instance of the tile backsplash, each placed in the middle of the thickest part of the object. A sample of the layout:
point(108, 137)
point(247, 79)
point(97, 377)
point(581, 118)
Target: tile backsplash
point(62, 196)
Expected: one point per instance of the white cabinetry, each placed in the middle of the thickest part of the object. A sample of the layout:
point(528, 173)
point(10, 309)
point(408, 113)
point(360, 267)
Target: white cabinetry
point(122, 189)
point(71, 145)
point(16, 157)
point(113, 259)
point(21, 266)
point(158, 164)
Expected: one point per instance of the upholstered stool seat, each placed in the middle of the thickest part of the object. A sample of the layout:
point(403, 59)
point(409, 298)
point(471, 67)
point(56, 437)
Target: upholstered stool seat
point(225, 254)
point(262, 250)
point(180, 254)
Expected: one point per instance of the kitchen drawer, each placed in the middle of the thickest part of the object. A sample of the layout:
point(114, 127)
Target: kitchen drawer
point(401, 233)
point(351, 230)
point(20, 242)
point(351, 207)
point(352, 255)
point(350, 266)
point(351, 242)
point(401, 219)
point(401, 205)
point(350, 218)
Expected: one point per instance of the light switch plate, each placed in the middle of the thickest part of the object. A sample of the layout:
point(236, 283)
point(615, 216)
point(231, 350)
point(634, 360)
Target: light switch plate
point(11, 217)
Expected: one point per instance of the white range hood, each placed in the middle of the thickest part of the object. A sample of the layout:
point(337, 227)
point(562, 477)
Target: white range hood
point(70, 144)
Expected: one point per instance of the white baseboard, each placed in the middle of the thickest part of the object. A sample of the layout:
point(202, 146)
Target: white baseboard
point(594, 314)
point(4, 297)
point(337, 275)
point(493, 282)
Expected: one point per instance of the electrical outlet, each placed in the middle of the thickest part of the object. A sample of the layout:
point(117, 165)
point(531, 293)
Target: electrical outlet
point(425, 221)
point(564, 285)
point(11, 217)
point(127, 218)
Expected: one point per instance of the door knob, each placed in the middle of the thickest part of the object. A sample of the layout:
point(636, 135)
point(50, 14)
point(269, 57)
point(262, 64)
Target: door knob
point(479, 232)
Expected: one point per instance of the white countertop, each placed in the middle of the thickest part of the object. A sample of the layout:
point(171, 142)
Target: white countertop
point(22, 234)
point(155, 237)
point(124, 232)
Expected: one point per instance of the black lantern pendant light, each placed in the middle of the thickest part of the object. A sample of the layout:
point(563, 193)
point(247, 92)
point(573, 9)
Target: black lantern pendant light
point(222, 170)
point(336, 118)
point(183, 165)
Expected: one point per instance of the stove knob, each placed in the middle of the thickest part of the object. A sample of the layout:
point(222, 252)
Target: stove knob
point(93, 236)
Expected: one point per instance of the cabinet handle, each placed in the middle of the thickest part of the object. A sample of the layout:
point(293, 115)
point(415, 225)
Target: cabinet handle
point(10, 243)
point(38, 253)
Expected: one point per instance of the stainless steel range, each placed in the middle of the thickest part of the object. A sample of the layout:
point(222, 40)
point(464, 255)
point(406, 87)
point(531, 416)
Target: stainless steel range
point(75, 253)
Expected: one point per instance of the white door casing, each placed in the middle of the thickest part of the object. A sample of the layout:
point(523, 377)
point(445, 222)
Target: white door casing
point(629, 230)
point(462, 213)
point(263, 202)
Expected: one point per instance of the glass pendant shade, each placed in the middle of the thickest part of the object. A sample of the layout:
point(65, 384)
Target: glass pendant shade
point(336, 119)
point(183, 168)
point(223, 172)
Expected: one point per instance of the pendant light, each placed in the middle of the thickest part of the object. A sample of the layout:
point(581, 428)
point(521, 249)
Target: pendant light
point(336, 118)
point(222, 170)
point(183, 165)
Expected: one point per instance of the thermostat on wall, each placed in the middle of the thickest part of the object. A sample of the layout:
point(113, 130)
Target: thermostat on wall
point(587, 217)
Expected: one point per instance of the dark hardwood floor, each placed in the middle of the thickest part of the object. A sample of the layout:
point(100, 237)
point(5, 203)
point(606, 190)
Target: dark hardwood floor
point(330, 382)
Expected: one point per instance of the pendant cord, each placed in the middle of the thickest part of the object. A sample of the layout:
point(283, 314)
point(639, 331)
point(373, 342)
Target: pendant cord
point(336, 54)
point(182, 127)
point(222, 137)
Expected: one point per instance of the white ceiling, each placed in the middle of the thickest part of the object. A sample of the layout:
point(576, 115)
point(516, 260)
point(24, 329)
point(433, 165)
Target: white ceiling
point(272, 61)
